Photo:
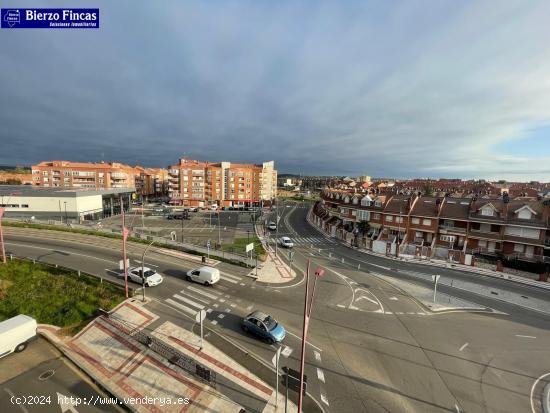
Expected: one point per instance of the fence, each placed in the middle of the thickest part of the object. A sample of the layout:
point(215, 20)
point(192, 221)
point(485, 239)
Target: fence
point(226, 254)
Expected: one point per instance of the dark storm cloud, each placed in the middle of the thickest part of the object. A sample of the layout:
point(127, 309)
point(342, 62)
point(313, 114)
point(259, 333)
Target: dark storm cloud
point(396, 89)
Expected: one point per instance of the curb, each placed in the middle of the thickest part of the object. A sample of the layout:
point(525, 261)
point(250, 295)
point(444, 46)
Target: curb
point(483, 272)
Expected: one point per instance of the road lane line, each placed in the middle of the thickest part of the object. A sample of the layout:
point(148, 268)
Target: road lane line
point(393, 298)
point(317, 355)
point(287, 351)
point(181, 306)
point(320, 375)
point(190, 302)
point(522, 336)
point(307, 342)
point(463, 347)
point(324, 398)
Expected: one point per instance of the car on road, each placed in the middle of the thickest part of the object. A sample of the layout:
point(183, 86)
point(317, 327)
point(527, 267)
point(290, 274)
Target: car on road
point(152, 278)
point(193, 209)
point(272, 226)
point(16, 333)
point(204, 275)
point(286, 242)
point(264, 326)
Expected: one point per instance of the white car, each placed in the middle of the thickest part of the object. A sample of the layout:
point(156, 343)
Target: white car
point(272, 226)
point(204, 275)
point(286, 242)
point(151, 277)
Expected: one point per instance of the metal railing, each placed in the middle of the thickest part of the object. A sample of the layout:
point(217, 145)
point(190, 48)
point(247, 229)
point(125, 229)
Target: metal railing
point(170, 353)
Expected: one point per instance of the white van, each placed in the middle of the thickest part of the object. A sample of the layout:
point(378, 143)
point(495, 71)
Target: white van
point(15, 334)
point(204, 275)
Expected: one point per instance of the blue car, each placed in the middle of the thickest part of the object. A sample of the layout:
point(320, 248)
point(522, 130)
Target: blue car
point(264, 326)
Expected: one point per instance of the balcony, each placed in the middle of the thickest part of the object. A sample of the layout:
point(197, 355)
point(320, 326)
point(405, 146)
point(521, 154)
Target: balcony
point(521, 256)
point(449, 229)
point(481, 234)
point(523, 240)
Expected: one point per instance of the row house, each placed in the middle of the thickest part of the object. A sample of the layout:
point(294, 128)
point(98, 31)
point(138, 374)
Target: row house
point(439, 226)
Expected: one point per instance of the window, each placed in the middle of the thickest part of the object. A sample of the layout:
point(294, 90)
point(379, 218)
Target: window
point(415, 221)
point(487, 211)
point(366, 202)
point(519, 247)
point(389, 218)
point(524, 214)
point(447, 238)
point(522, 232)
point(399, 220)
point(426, 221)
point(375, 216)
point(363, 215)
point(378, 203)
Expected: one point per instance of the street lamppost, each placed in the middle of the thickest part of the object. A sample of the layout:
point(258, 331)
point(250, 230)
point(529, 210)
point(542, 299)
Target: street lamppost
point(66, 219)
point(308, 305)
point(143, 269)
point(124, 238)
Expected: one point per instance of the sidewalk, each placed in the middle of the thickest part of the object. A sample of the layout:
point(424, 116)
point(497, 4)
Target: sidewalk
point(273, 270)
point(443, 264)
point(133, 354)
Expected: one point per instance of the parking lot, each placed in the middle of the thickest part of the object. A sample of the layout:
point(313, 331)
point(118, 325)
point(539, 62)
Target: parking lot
point(201, 226)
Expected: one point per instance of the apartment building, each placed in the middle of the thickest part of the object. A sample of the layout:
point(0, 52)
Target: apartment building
point(442, 227)
point(201, 183)
point(100, 175)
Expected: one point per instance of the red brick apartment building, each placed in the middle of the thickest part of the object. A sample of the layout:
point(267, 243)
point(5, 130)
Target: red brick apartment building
point(445, 227)
point(201, 183)
point(101, 175)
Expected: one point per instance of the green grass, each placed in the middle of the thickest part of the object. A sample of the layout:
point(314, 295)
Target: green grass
point(239, 245)
point(53, 295)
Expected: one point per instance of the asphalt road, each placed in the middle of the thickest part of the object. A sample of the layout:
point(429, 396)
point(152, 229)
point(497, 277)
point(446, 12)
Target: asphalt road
point(371, 346)
point(36, 380)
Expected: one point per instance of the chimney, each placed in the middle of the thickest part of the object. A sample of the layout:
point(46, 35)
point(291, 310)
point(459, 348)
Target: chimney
point(505, 202)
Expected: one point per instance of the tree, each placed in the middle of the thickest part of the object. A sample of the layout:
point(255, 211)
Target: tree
point(428, 190)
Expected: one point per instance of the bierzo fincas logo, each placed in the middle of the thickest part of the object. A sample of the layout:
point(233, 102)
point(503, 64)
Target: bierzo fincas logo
point(50, 18)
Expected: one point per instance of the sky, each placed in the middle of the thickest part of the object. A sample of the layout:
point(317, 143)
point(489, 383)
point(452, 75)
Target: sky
point(439, 88)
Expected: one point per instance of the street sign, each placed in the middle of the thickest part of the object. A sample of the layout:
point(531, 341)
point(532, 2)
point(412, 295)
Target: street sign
point(200, 316)
point(249, 247)
point(435, 278)
point(121, 263)
point(294, 379)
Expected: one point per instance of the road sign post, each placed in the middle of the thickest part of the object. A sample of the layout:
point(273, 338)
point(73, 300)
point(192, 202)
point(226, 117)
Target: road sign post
point(199, 318)
point(275, 362)
point(435, 279)
point(208, 250)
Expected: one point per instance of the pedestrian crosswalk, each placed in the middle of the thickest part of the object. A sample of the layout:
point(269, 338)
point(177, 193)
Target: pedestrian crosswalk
point(300, 240)
point(195, 297)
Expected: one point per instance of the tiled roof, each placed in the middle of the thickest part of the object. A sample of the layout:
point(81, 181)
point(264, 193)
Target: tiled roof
point(457, 208)
point(425, 207)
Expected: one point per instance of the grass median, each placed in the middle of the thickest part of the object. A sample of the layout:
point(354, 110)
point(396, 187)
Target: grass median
point(53, 295)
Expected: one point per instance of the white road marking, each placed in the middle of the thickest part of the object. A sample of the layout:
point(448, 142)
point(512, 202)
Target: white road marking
point(198, 290)
point(341, 306)
point(320, 375)
point(317, 355)
point(191, 302)
point(522, 336)
point(250, 307)
point(209, 310)
point(229, 280)
point(214, 322)
point(388, 312)
point(181, 306)
point(287, 351)
point(457, 408)
point(233, 305)
point(222, 300)
point(202, 300)
point(221, 315)
point(324, 398)
point(463, 347)
point(533, 389)
point(242, 284)
point(379, 266)
point(393, 298)
point(233, 277)
point(215, 305)
point(228, 310)
point(307, 342)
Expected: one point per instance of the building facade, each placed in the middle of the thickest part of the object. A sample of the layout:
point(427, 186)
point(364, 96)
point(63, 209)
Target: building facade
point(101, 175)
point(442, 227)
point(200, 183)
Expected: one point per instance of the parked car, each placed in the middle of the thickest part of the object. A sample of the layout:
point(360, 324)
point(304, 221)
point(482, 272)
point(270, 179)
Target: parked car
point(152, 278)
point(204, 275)
point(16, 333)
point(272, 226)
point(193, 209)
point(264, 326)
point(286, 242)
